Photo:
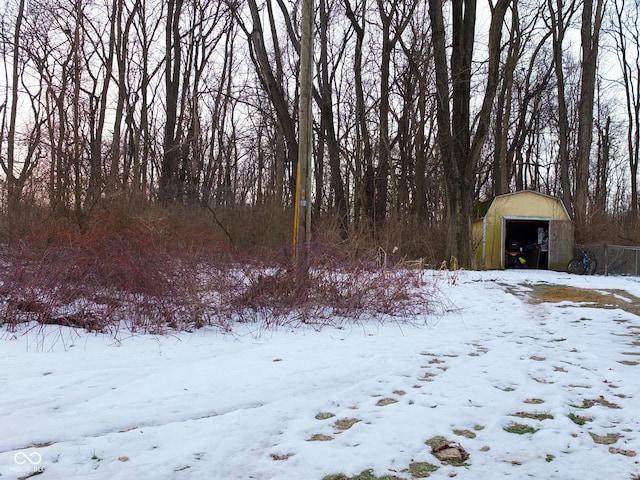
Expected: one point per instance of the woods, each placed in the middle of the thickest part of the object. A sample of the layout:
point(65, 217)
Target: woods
point(422, 111)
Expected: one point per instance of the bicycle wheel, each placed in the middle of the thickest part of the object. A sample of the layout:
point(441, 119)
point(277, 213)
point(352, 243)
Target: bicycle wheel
point(576, 266)
point(591, 268)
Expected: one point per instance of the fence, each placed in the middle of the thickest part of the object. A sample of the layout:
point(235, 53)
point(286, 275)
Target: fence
point(615, 259)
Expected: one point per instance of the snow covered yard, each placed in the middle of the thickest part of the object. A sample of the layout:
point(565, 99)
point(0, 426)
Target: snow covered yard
point(304, 404)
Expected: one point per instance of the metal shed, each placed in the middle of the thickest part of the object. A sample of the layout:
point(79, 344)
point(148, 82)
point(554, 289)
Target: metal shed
point(538, 224)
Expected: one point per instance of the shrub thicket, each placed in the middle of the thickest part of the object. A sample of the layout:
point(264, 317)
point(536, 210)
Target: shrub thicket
point(162, 269)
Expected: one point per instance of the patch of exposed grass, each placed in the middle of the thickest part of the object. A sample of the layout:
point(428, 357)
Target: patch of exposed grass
point(464, 433)
point(533, 415)
point(620, 451)
point(437, 442)
point(364, 475)
point(543, 381)
point(286, 456)
point(324, 415)
point(588, 403)
point(630, 363)
point(579, 419)
point(520, 428)
point(383, 402)
point(345, 423)
point(320, 437)
point(428, 377)
point(608, 439)
point(549, 458)
point(551, 293)
point(422, 469)
point(534, 401)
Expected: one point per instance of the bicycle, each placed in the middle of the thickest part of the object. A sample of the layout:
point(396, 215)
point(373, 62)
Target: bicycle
point(585, 264)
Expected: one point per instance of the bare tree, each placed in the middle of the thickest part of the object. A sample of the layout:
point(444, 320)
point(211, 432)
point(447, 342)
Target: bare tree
point(626, 35)
point(602, 168)
point(394, 18)
point(416, 124)
point(169, 183)
point(325, 99)
point(459, 151)
point(269, 81)
point(516, 91)
point(560, 17)
point(590, 39)
point(364, 174)
point(146, 27)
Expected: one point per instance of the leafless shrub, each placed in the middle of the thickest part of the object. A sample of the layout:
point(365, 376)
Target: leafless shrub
point(144, 278)
point(332, 291)
point(100, 279)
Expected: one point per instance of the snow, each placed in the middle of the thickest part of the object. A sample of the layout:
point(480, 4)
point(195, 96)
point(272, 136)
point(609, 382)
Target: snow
point(215, 405)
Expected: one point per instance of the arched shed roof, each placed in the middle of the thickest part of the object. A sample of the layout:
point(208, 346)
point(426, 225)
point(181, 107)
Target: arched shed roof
point(528, 203)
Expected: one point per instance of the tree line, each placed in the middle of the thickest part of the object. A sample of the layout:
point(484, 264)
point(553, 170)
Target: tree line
point(421, 109)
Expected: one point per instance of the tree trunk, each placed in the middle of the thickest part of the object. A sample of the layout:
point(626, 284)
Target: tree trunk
point(501, 170)
point(77, 137)
point(384, 143)
point(559, 20)
point(630, 66)
point(364, 181)
point(169, 184)
point(590, 35)
point(326, 110)
point(13, 192)
point(273, 88)
point(459, 154)
point(602, 169)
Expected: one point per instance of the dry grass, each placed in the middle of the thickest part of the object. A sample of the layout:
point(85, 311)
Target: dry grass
point(549, 293)
point(324, 415)
point(386, 401)
point(533, 415)
point(320, 437)
point(464, 433)
point(345, 423)
point(608, 439)
point(280, 458)
point(590, 402)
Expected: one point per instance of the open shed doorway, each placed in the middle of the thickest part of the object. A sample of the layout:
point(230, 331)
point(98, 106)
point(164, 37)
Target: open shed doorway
point(526, 243)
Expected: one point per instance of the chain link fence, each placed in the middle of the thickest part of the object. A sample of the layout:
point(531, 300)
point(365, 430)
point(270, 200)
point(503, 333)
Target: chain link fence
point(614, 259)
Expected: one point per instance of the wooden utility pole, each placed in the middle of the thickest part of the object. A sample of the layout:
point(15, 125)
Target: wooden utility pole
point(302, 208)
